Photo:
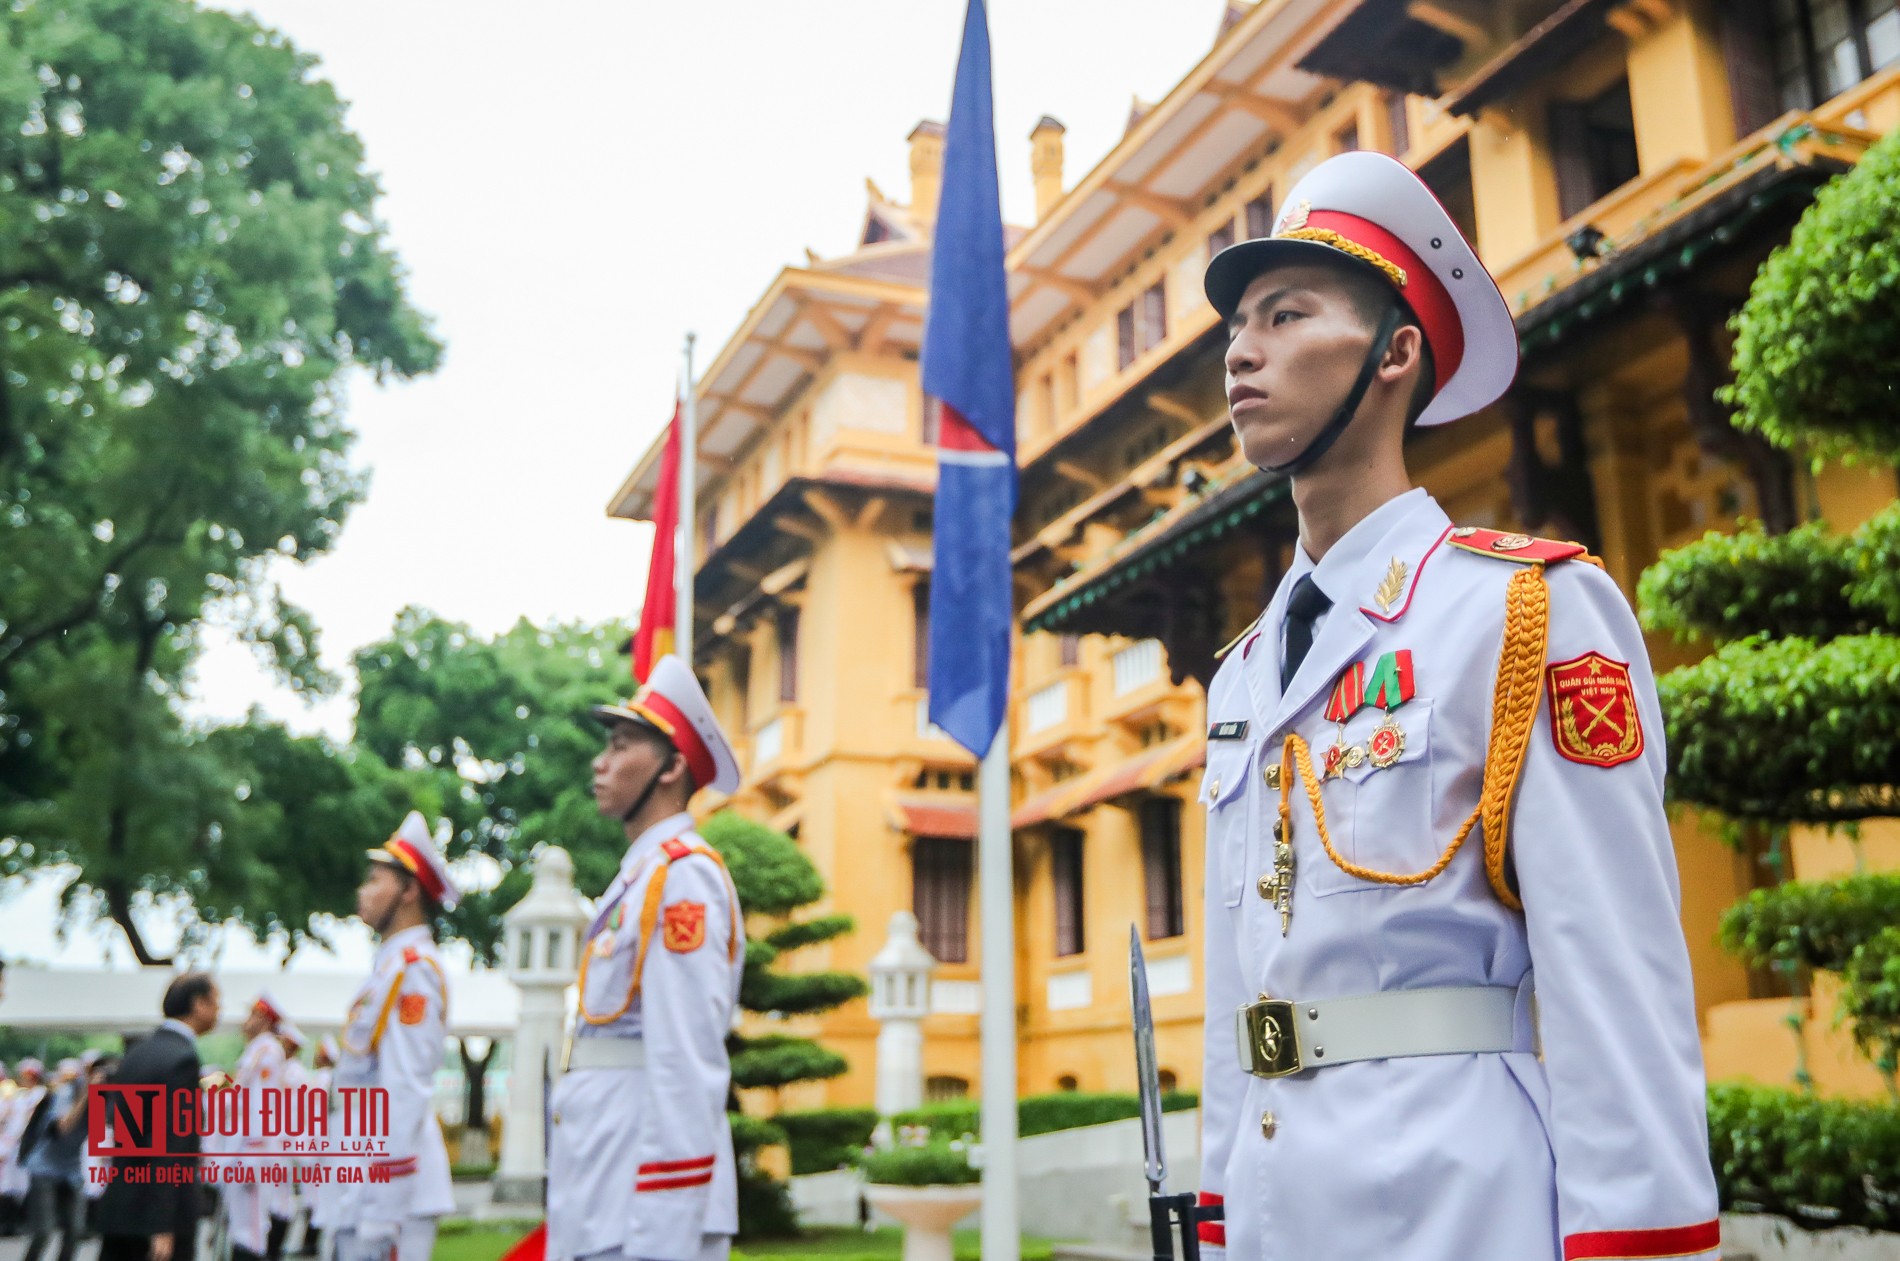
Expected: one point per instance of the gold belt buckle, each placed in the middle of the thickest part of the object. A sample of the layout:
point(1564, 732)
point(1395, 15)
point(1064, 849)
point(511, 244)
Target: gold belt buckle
point(1272, 1049)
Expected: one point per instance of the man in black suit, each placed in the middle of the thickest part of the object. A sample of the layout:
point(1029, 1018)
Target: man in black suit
point(149, 1216)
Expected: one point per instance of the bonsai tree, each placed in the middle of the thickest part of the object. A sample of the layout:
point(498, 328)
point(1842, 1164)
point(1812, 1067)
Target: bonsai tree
point(775, 881)
point(1789, 720)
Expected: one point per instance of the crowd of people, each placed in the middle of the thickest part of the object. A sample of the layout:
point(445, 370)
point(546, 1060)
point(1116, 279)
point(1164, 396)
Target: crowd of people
point(640, 1103)
point(52, 1188)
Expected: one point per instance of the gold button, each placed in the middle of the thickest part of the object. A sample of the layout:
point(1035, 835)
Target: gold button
point(1269, 887)
point(1271, 773)
point(1268, 1125)
point(1214, 789)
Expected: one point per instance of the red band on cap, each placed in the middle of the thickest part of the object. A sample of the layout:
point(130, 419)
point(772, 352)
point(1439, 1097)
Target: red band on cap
point(686, 738)
point(418, 865)
point(1423, 291)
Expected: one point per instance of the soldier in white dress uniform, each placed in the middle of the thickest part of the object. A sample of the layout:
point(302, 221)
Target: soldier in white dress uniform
point(1449, 1010)
point(322, 1196)
point(260, 1069)
point(641, 1163)
point(286, 1197)
point(17, 1103)
point(393, 1038)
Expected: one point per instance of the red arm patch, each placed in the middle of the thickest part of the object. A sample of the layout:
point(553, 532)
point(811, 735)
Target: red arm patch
point(411, 1008)
point(1593, 715)
point(684, 927)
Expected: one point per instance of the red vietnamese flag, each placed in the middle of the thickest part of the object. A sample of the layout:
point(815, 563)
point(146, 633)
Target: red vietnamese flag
point(654, 639)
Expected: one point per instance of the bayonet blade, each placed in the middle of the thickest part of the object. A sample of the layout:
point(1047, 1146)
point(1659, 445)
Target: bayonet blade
point(1147, 1077)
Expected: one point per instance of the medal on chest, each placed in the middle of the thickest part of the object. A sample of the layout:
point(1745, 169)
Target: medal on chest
point(604, 942)
point(1388, 685)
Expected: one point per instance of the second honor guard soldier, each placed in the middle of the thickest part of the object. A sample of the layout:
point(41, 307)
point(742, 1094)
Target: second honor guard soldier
point(393, 1038)
point(641, 1165)
point(260, 1070)
point(1449, 1009)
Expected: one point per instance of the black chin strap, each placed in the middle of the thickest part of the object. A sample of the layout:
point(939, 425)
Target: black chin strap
point(641, 801)
point(1381, 342)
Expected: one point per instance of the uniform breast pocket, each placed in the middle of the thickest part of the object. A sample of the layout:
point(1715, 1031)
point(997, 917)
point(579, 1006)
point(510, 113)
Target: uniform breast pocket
point(607, 980)
point(1226, 791)
point(1380, 810)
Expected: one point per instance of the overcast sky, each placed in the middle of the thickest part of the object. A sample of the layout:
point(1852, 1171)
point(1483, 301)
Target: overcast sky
point(574, 185)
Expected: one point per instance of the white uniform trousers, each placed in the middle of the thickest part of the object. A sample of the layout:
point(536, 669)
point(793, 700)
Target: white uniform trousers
point(414, 1242)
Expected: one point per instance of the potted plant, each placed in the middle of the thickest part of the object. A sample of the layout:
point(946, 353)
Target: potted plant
point(928, 1185)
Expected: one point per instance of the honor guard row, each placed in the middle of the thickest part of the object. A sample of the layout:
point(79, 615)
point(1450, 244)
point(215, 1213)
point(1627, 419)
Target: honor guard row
point(1449, 1014)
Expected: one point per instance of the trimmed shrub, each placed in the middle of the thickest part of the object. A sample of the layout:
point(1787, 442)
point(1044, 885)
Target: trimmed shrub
point(1042, 1114)
point(826, 1138)
point(1817, 1162)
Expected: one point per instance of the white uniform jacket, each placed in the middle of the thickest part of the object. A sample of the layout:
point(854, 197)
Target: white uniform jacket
point(323, 1196)
point(1598, 1147)
point(393, 1039)
point(284, 1196)
point(641, 1159)
point(260, 1070)
point(15, 1111)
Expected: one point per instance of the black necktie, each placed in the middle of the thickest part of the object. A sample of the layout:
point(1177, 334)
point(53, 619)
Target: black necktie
point(1303, 608)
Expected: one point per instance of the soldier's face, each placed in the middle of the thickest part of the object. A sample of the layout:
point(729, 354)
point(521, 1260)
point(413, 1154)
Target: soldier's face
point(1295, 346)
point(377, 896)
point(624, 768)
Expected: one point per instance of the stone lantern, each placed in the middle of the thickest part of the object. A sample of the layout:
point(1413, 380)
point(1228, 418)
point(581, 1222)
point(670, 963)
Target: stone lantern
point(541, 941)
point(900, 999)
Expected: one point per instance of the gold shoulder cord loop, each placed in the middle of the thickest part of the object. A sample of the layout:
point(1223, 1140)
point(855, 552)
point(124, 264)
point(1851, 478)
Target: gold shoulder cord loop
point(1513, 714)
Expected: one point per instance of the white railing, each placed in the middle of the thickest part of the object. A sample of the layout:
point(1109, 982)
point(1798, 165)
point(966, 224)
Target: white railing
point(1136, 665)
point(955, 998)
point(768, 743)
point(1071, 991)
point(1048, 707)
point(1170, 976)
point(926, 729)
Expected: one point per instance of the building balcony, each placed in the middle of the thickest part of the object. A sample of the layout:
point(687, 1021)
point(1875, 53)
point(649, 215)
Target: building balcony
point(923, 741)
point(1055, 712)
point(1686, 191)
point(777, 744)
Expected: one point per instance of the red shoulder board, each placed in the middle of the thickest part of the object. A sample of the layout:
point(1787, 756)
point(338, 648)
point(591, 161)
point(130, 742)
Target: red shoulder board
point(1521, 548)
point(410, 954)
point(676, 850)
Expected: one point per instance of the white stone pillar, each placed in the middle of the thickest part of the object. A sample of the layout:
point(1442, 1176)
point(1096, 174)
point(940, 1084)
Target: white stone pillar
point(541, 938)
point(900, 999)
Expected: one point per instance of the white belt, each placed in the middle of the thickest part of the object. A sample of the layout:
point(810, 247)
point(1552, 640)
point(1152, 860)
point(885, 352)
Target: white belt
point(607, 1053)
point(1278, 1037)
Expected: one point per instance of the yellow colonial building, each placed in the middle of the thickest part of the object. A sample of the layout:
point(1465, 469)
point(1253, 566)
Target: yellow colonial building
point(1622, 167)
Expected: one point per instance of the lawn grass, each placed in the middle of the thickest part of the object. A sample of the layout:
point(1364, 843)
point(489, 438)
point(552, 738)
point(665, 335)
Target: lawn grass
point(484, 1241)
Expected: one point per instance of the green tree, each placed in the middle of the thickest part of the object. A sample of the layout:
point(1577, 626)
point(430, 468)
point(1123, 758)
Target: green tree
point(501, 730)
point(775, 881)
point(1814, 364)
point(190, 267)
point(1789, 720)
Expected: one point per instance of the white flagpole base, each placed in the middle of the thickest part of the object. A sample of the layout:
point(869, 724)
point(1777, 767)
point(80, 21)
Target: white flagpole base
point(1001, 1237)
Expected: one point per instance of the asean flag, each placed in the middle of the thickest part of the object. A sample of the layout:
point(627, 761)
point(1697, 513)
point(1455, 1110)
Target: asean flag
point(967, 367)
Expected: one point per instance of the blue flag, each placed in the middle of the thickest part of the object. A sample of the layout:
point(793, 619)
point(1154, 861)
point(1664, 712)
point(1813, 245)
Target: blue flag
point(967, 368)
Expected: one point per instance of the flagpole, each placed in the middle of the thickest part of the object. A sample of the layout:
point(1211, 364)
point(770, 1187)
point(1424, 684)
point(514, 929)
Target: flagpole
point(1001, 1239)
point(683, 534)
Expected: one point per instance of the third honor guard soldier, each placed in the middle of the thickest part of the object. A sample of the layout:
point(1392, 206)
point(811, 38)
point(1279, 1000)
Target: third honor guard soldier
point(392, 1038)
point(1442, 904)
point(641, 1161)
